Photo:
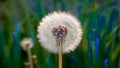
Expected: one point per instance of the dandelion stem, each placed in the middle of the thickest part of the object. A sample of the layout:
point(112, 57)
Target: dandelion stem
point(60, 59)
point(30, 58)
point(60, 53)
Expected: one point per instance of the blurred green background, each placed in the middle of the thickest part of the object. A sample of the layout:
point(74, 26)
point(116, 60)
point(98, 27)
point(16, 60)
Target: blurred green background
point(100, 45)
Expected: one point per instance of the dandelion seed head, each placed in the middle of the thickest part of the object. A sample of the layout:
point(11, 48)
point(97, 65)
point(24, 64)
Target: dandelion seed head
point(26, 43)
point(59, 25)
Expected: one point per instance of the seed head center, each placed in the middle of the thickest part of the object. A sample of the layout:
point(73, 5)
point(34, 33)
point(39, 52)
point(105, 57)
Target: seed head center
point(60, 31)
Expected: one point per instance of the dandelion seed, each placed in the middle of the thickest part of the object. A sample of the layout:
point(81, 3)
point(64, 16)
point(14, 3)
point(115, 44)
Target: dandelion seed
point(26, 43)
point(59, 27)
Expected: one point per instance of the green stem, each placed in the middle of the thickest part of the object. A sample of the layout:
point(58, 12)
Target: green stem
point(60, 59)
point(59, 43)
point(30, 58)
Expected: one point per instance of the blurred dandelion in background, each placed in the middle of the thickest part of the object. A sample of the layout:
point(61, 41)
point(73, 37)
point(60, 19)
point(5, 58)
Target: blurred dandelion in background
point(26, 43)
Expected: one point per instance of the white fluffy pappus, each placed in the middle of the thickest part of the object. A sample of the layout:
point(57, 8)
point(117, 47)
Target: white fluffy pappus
point(74, 32)
point(26, 43)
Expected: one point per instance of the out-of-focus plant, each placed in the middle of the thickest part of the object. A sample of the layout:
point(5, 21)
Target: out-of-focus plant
point(27, 44)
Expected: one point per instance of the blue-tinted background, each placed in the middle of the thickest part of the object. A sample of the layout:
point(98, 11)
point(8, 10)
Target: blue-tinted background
point(100, 45)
